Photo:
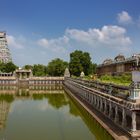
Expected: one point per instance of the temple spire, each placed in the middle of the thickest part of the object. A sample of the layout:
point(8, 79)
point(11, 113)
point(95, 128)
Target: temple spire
point(5, 55)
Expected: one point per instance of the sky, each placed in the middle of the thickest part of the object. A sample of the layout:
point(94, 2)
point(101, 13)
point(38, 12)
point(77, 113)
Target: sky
point(41, 30)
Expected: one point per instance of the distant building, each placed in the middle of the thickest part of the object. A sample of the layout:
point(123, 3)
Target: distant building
point(119, 65)
point(5, 55)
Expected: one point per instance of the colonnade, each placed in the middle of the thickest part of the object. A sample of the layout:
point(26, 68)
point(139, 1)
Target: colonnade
point(50, 87)
point(6, 74)
point(43, 82)
point(23, 75)
point(112, 109)
point(7, 81)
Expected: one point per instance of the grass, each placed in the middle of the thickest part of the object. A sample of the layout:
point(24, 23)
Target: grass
point(124, 79)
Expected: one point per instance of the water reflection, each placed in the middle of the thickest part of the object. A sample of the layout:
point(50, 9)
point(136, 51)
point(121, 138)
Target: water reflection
point(4, 110)
point(61, 115)
point(92, 124)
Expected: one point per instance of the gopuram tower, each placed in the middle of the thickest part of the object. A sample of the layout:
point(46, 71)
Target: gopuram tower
point(5, 55)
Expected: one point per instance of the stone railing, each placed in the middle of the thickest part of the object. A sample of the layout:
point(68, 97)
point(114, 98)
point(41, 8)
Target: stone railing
point(11, 80)
point(47, 78)
point(123, 112)
point(115, 90)
point(118, 97)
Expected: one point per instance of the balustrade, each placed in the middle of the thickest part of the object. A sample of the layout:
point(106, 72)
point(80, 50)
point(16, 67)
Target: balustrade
point(104, 103)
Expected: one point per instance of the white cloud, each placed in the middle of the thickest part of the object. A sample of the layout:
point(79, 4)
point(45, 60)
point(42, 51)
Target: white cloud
point(13, 42)
point(43, 42)
point(107, 36)
point(124, 18)
point(56, 45)
point(111, 36)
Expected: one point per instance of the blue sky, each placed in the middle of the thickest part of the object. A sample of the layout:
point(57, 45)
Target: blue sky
point(41, 30)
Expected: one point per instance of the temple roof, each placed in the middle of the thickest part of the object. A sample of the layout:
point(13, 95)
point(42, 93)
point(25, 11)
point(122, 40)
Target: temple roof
point(120, 59)
point(107, 61)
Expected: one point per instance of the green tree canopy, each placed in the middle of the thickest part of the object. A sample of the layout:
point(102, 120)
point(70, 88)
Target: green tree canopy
point(39, 70)
point(56, 67)
point(94, 65)
point(28, 67)
point(8, 67)
point(80, 61)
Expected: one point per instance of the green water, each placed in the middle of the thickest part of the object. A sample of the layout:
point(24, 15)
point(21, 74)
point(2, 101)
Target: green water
point(45, 114)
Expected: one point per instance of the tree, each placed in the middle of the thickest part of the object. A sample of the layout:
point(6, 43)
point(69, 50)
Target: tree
point(75, 66)
point(39, 70)
point(80, 61)
point(86, 63)
point(8, 67)
point(28, 67)
point(56, 67)
point(2, 67)
point(94, 65)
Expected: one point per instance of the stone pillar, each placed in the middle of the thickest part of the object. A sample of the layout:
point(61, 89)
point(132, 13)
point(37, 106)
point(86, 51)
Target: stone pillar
point(94, 100)
point(24, 75)
point(20, 75)
point(98, 103)
point(91, 98)
point(101, 104)
point(116, 114)
point(105, 107)
point(123, 118)
point(110, 110)
point(83, 94)
point(88, 97)
point(134, 121)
